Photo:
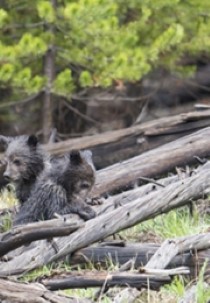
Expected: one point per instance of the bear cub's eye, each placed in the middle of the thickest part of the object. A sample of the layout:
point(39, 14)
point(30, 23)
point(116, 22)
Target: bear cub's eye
point(17, 162)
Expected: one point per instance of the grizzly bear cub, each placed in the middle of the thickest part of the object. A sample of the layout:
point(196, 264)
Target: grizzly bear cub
point(62, 188)
point(24, 161)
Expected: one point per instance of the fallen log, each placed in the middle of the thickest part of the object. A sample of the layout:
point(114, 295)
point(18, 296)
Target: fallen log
point(139, 210)
point(98, 279)
point(118, 145)
point(112, 202)
point(25, 234)
point(153, 163)
point(13, 292)
point(139, 254)
point(102, 256)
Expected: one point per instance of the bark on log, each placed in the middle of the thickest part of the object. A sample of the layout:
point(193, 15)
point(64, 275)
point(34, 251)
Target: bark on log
point(127, 196)
point(25, 234)
point(153, 163)
point(14, 292)
point(98, 279)
point(137, 211)
point(118, 145)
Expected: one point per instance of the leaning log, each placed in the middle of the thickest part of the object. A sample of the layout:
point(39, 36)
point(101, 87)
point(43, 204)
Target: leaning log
point(139, 210)
point(172, 247)
point(114, 146)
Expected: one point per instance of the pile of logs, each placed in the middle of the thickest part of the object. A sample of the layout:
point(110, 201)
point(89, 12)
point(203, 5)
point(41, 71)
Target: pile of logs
point(139, 265)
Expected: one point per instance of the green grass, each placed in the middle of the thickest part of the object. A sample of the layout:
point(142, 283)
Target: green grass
point(44, 271)
point(179, 286)
point(176, 223)
point(202, 290)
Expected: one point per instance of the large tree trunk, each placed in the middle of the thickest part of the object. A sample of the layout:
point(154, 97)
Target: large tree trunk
point(49, 72)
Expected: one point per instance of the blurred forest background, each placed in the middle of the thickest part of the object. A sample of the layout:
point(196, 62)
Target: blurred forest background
point(88, 66)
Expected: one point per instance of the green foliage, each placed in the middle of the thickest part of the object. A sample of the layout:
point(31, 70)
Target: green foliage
point(46, 11)
point(63, 83)
point(85, 79)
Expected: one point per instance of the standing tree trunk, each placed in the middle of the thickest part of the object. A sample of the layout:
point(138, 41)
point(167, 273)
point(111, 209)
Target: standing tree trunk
point(49, 72)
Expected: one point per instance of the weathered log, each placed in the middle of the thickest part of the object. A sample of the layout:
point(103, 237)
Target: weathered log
point(140, 254)
point(13, 292)
point(137, 211)
point(98, 279)
point(112, 202)
point(172, 247)
point(153, 163)
point(118, 145)
point(102, 255)
point(25, 234)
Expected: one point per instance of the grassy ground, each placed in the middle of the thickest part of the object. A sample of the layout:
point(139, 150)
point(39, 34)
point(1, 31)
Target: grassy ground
point(176, 223)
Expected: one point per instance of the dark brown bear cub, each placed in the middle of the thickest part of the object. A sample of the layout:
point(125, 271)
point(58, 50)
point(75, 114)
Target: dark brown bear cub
point(61, 189)
point(24, 161)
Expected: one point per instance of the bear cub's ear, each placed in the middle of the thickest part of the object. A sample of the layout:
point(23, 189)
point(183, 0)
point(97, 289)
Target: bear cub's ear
point(32, 141)
point(75, 157)
point(4, 142)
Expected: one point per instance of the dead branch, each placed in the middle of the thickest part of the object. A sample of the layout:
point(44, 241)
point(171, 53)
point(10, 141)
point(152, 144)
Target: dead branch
point(166, 272)
point(28, 99)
